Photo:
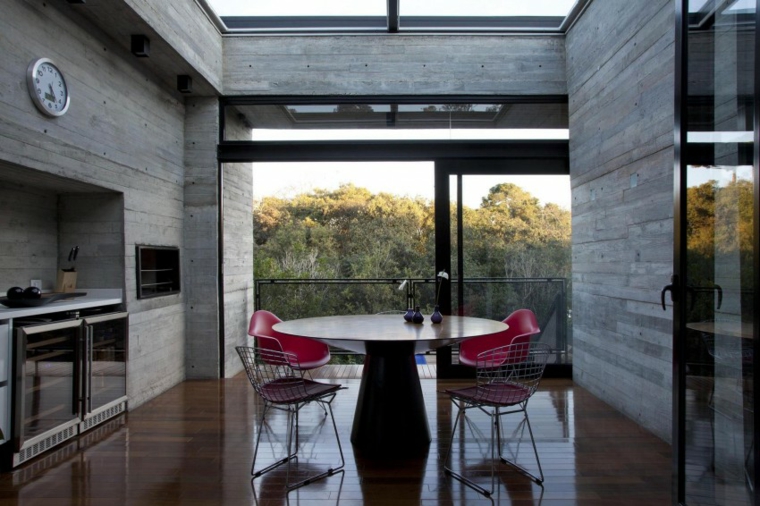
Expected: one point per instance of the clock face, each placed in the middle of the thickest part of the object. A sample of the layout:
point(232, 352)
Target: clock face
point(47, 87)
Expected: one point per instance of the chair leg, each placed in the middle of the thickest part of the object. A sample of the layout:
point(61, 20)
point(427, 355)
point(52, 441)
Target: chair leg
point(330, 471)
point(280, 462)
point(535, 451)
point(446, 462)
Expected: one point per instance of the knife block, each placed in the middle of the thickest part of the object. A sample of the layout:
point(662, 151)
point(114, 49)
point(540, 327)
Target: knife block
point(66, 281)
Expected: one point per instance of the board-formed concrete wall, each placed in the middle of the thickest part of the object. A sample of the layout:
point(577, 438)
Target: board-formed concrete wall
point(395, 64)
point(124, 132)
point(620, 68)
point(201, 230)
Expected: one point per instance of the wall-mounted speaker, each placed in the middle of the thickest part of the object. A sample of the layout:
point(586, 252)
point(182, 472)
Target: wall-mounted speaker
point(184, 84)
point(140, 45)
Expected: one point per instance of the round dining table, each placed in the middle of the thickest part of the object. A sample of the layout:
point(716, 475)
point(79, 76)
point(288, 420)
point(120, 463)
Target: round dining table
point(390, 417)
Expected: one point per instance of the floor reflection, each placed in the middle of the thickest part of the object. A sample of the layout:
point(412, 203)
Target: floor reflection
point(194, 444)
point(269, 487)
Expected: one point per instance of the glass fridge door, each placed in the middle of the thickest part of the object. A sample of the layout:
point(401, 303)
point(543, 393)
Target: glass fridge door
point(46, 372)
point(105, 361)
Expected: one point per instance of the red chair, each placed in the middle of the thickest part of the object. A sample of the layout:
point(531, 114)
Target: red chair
point(311, 354)
point(522, 325)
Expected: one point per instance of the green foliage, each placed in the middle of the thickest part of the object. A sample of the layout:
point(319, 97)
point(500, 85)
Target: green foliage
point(719, 233)
point(355, 234)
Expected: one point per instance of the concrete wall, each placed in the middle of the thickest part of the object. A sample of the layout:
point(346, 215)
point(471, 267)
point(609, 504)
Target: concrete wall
point(124, 133)
point(28, 236)
point(201, 238)
point(620, 68)
point(237, 194)
point(396, 64)
point(95, 223)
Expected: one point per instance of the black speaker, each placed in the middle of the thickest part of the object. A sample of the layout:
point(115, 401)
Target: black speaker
point(184, 84)
point(140, 45)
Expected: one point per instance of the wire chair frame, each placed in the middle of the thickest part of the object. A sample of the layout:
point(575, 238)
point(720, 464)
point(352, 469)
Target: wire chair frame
point(277, 379)
point(506, 378)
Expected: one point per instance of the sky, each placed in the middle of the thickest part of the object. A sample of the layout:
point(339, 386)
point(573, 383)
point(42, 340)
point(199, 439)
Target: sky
point(407, 179)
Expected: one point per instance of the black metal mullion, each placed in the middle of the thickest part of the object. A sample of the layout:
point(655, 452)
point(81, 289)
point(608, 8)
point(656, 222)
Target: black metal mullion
point(443, 257)
point(460, 247)
point(756, 263)
point(393, 16)
point(679, 242)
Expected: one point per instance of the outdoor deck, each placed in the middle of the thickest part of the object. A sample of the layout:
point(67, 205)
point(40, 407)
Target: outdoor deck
point(193, 445)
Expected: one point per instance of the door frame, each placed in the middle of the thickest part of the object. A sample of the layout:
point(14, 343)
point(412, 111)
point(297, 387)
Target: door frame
point(523, 156)
point(444, 170)
point(678, 286)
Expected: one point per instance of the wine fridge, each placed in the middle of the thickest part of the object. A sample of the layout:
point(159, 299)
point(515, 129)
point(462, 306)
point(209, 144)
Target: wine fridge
point(70, 375)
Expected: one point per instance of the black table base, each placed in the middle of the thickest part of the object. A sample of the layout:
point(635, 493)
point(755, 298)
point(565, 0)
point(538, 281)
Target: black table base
point(390, 418)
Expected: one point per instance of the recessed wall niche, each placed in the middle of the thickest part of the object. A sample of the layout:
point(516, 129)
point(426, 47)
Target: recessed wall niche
point(158, 271)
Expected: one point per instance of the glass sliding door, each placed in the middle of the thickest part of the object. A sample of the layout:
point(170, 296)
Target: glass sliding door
point(715, 253)
point(508, 248)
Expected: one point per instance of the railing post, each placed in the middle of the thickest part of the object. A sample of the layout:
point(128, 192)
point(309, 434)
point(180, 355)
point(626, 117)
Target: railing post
point(256, 295)
point(562, 322)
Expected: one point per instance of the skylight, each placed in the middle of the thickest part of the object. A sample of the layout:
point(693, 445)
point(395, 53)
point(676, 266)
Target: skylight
point(395, 15)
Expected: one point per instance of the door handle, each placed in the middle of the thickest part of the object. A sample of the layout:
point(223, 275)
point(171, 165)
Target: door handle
point(672, 288)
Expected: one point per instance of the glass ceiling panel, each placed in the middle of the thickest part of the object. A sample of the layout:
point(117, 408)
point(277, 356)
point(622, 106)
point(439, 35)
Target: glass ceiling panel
point(413, 15)
point(704, 13)
point(401, 121)
point(299, 7)
point(497, 8)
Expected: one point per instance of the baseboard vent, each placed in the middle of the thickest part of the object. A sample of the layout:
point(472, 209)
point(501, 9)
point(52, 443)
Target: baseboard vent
point(44, 445)
point(102, 416)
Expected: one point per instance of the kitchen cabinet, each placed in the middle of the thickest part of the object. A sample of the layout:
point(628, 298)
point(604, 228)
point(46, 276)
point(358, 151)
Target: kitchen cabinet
point(62, 372)
point(69, 376)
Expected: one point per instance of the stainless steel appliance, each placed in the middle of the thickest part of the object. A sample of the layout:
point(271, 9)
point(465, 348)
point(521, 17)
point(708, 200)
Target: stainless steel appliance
point(70, 375)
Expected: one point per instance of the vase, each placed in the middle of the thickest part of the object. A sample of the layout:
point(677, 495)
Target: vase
point(417, 318)
point(437, 317)
point(409, 315)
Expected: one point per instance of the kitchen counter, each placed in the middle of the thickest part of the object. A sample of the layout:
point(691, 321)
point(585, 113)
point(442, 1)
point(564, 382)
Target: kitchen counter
point(94, 298)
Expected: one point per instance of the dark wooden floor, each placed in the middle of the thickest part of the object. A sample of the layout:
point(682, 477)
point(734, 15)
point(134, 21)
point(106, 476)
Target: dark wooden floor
point(193, 446)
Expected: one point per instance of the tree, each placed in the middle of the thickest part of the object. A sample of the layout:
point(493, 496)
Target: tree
point(352, 233)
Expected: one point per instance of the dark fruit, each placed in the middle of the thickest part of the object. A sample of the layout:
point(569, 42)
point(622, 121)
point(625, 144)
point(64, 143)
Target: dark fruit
point(32, 293)
point(15, 292)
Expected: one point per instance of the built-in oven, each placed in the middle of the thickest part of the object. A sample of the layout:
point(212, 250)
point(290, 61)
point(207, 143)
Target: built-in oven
point(69, 375)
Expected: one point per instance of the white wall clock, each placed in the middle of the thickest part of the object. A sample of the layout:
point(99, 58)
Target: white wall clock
point(47, 87)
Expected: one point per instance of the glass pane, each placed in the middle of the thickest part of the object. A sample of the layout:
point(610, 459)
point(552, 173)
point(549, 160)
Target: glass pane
point(299, 8)
point(396, 121)
point(486, 8)
point(516, 251)
point(483, 14)
point(48, 385)
point(719, 254)
point(343, 238)
point(108, 362)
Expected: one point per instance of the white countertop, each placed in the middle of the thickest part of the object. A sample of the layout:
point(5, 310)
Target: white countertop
point(95, 297)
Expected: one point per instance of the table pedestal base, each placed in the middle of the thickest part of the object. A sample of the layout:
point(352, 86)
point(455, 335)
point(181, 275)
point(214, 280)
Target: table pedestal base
point(390, 416)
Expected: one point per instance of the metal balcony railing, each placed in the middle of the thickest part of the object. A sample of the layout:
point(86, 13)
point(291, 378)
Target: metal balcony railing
point(492, 298)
